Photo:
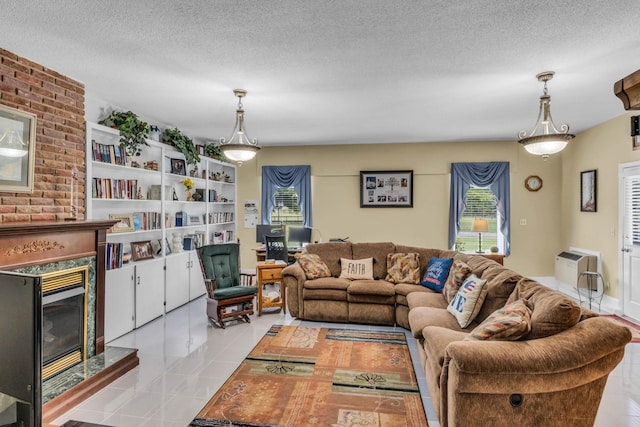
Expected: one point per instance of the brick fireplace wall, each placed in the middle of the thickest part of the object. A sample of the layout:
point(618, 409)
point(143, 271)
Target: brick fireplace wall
point(58, 101)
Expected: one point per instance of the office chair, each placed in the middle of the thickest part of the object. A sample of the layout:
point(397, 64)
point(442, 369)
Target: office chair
point(276, 248)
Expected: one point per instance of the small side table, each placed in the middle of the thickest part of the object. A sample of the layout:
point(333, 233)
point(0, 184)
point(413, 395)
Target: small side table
point(271, 273)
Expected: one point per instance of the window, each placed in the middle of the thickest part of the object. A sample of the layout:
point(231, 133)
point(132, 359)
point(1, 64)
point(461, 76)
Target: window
point(481, 204)
point(287, 208)
point(479, 191)
point(286, 195)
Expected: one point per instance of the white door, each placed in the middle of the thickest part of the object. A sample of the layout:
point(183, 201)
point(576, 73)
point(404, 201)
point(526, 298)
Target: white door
point(630, 226)
point(196, 280)
point(119, 308)
point(177, 280)
point(149, 283)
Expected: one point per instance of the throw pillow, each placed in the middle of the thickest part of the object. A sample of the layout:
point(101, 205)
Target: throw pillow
point(403, 268)
point(468, 300)
point(313, 266)
point(436, 273)
point(509, 323)
point(457, 274)
point(355, 269)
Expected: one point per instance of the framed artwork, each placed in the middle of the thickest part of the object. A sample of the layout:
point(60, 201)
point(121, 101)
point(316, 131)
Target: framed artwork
point(157, 247)
point(141, 250)
point(194, 220)
point(17, 150)
point(125, 223)
point(386, 189)
point(589, 191)
point(178, 167)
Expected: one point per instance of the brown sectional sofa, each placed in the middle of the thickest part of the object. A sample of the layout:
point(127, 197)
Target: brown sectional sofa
point(554, 376)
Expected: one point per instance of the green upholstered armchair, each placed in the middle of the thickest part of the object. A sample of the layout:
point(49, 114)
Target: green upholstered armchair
point(229, 293)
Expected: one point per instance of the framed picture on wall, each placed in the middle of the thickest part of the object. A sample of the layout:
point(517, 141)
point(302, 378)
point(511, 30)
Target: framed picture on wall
point(386, 189)
point(17, 150)
point(589, 191)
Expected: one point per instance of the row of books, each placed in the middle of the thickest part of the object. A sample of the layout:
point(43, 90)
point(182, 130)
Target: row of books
point(147, 220)
point(107, 153)
point(114, 255)
point(113, 188)
point(220, 217)
point(221, 236)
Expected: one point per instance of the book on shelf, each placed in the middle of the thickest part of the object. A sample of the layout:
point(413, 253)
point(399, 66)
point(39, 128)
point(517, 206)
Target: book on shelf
point(109, 153)
point(113, 188)
point(114, 252)
point(146, 221)
point(220, 217)
point(181, 218)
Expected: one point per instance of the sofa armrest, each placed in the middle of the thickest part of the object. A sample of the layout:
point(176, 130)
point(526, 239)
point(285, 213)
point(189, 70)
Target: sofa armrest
point(582, 354)
point(294, 277)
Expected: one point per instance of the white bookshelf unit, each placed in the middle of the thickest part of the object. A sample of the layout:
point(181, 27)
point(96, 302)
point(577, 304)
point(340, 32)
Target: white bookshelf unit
point(151, 203)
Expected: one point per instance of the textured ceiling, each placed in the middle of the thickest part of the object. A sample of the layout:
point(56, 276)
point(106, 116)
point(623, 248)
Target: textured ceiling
point(339, 71)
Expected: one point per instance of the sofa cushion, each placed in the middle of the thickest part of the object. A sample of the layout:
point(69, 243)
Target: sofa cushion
point(379, 253)
point(327, 283)
point(436, 273)
point(421, 317)
point(500, 285)
point(467, 303)
point(552, 311)
point(313, 266)
point(426, 299)
point(509, 323)
point(371, 292)
point(404, 289)
point(356, 269)
point(330, 253)
point(457, 274)
point(403, 268)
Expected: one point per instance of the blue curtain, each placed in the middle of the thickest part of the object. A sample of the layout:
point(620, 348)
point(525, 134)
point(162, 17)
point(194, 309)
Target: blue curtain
point(494, 175)
point(298, 177)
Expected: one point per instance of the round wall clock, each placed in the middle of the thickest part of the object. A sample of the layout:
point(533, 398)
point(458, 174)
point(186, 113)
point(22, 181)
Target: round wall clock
point(533, 183)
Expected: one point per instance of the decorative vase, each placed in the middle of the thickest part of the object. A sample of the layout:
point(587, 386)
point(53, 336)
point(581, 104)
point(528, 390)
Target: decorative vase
point(189, 196)
point(176, 243)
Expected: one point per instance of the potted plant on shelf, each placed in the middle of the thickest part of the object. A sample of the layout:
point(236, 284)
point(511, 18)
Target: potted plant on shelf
point(215, 152)
point(183, 143)
point(133, 131)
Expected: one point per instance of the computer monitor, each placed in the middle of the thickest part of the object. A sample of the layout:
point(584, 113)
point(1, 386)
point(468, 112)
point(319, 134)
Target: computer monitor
point(269, 230)
point(297, 235)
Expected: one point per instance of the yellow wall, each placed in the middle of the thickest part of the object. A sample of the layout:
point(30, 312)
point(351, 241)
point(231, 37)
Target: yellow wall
point(336, 204)
point(604, 147)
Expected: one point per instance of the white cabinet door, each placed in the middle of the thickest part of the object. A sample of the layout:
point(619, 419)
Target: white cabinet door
point(196, 281)
point(149, 284)
point(177, 280)
point(119, 306)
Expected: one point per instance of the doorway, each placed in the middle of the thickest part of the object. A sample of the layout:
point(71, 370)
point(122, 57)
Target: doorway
point(629, 204)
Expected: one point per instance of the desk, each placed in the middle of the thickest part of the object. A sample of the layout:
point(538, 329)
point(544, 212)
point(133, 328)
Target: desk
point(271, 273)
point(261, 253)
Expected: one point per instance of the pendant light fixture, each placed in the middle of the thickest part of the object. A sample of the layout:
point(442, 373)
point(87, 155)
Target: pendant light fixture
point(550, 140)
point(239, 148)
point(12, 145)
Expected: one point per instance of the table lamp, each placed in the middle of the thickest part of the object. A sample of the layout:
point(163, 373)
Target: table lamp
point(479, 226)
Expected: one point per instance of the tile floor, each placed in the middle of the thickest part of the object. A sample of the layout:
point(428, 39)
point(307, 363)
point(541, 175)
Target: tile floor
point(183, 361)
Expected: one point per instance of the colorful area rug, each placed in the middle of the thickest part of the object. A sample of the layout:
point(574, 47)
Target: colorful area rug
point(633, 327)
point(303, 376)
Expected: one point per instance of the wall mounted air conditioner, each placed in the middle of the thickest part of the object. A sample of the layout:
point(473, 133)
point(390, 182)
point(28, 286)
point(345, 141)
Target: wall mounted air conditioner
point(569, 265)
